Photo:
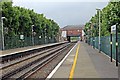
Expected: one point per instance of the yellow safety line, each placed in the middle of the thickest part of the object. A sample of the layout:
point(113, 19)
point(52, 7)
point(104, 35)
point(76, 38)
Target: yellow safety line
point(74, 64)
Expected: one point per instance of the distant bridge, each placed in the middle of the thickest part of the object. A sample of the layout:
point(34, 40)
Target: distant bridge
point(73, 31)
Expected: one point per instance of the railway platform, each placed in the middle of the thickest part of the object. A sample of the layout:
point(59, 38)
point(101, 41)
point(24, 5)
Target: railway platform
point(85, 63)
point(18, 50)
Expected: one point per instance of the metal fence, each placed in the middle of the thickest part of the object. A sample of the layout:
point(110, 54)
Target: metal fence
point(105, 45)
point(15, 41)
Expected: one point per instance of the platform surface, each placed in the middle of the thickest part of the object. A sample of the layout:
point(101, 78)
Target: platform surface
point(89, 64)
point(17, 50)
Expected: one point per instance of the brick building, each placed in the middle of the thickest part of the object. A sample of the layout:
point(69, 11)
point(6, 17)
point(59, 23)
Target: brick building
point(73, 31)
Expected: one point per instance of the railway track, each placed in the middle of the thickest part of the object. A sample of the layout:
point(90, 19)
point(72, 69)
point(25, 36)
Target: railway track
point(17, 55)
point(12, 65)
point(18, 70)
point(21, 59)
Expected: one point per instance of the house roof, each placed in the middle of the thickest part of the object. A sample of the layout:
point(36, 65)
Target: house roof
point(73, 27)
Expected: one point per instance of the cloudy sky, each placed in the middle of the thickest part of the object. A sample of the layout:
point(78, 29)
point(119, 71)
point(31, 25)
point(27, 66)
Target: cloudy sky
point(64, 12)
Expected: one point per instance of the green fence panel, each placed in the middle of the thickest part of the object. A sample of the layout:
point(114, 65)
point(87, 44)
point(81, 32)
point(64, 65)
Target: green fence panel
point(91, 41)
point(114, 46)
point(96, 42)
point(15, 41)
point(105, 45)
point(119, 47)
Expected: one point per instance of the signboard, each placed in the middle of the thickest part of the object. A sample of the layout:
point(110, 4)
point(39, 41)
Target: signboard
point(64, 33)
point(83, 33)
point(21, 36)
point(39, 36)
point(113, 29)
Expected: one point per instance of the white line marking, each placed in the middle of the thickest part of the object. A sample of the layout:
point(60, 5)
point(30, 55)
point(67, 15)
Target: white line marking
point(56, 68)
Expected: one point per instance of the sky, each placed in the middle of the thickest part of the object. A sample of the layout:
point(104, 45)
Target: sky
point(64, 12)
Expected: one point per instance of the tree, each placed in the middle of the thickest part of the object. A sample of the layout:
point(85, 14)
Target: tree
point(110, 15)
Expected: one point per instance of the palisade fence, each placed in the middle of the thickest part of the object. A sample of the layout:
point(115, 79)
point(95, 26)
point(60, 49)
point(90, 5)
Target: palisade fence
point(105, 45)
point(15, 41)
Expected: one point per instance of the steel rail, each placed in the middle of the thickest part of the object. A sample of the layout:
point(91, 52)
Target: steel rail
point(29, 64)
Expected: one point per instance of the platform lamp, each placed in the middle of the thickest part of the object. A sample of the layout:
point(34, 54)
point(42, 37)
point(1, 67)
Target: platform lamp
point(99, 31)
point(3, 47)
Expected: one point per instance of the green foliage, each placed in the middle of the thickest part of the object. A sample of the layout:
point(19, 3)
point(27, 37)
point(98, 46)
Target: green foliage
point(20, 20)
point(110, 15)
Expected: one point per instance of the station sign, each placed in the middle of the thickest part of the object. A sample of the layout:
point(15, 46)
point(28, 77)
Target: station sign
point(113, 29)
point(22, 37)
point(64, 33)
point(39, 36)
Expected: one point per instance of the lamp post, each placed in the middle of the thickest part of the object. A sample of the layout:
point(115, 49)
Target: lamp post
point(117, 44)
point(3, 47)
point(45, 36)
point(88, 36)
point(91, 32)
point(99, 31)
point(110, 43)
point(94, 28)
point(32, 35)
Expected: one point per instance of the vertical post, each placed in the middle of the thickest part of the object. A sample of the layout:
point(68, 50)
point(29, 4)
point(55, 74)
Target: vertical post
point(99, 33)
point(93, 40)
point(99, 46)
point(116, 45)
point(88, 40)
point(3, 47)
point(93, 36)
point(45, 36)
point(88, 37)
point(2, 34)
point(32, 35)
point(111, 45)
point(91, 33)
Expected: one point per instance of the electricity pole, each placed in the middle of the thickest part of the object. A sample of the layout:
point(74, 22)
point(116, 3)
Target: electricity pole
point(99, 31)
